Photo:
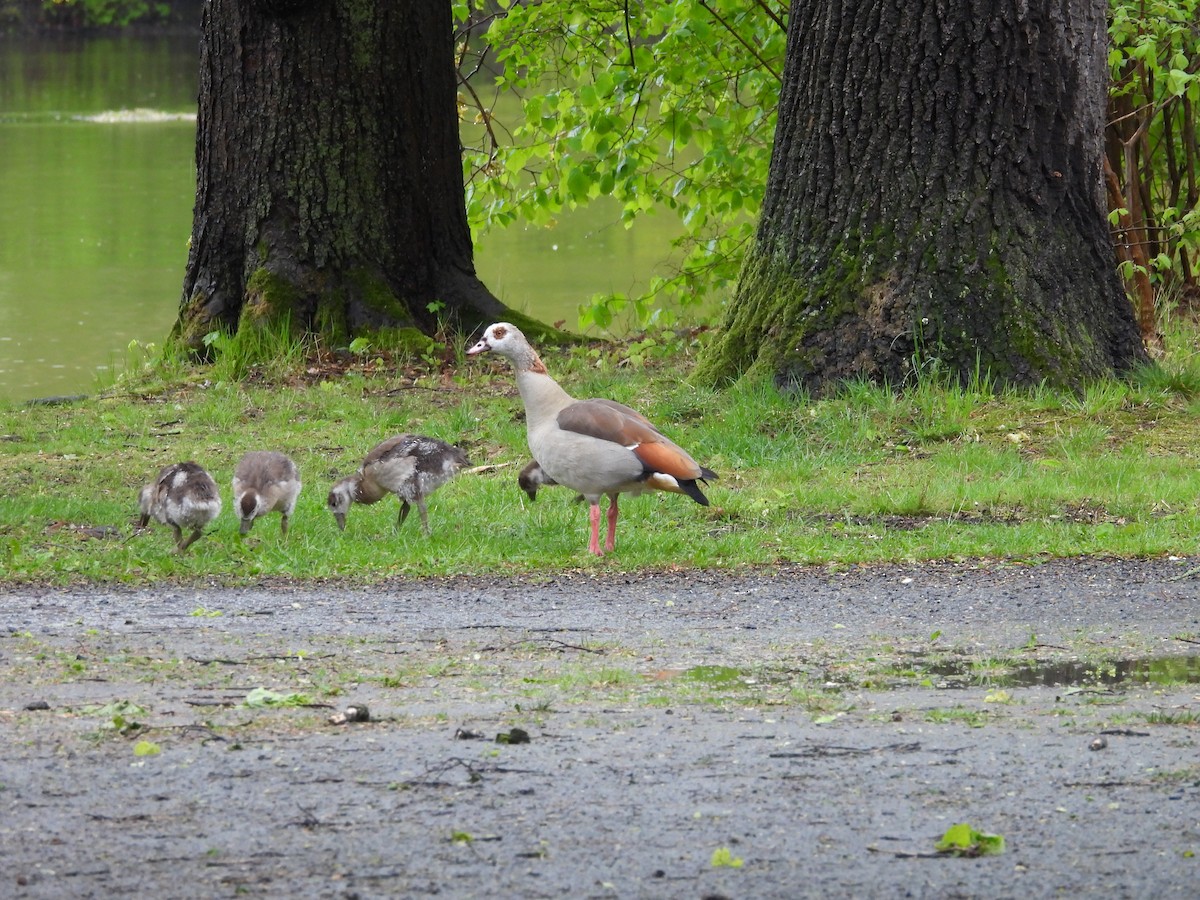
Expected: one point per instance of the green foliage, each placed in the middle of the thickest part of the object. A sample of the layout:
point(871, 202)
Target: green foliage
point(103, 13)
point(271, 346)
point(723, 857)
point(121, 716)
point(669, 109)
point(963, 840)
point(262, 698)
point(1153, 131)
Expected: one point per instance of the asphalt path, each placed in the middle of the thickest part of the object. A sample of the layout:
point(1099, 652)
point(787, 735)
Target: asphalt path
point(791, 769)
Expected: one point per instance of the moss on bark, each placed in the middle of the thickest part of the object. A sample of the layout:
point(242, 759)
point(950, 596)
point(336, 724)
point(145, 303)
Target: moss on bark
point(329, 183)
point(934, 201)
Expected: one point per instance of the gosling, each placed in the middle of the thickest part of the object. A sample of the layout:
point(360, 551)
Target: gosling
point(411, 466)
point(265, 482)
point(182, 496)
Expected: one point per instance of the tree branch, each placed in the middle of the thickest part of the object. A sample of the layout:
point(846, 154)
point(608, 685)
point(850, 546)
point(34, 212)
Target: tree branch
point(741, 40)
point(629, 39)
point(770, 12)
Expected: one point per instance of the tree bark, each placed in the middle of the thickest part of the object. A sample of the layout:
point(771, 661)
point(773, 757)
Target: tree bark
point(329, 177)
point(935, 201)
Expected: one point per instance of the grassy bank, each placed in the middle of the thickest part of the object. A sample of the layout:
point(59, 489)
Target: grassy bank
point(940, 471)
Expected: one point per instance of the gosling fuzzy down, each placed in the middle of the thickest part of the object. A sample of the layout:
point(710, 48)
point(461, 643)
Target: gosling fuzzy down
point(183, 496)
point(265, 481)
point(411, 466)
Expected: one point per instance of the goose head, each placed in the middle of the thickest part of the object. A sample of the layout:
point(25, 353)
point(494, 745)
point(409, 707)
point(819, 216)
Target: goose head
point(508, 341)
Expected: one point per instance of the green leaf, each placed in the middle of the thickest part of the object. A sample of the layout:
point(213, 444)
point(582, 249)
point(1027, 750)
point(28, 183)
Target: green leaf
point(963, 840)
point(146, 748)
point(117, 707)
point(723, 857)
point(1178, 81)
point(260, 698)
point(578, 184)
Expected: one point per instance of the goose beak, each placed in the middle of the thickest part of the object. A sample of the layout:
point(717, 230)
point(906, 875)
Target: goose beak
point(341, 520)
point(479, 347)
point(246, 524)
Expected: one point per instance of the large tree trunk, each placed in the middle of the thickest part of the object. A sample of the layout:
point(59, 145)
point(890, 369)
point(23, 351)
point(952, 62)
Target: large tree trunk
point(935, 200)
point(329, 176)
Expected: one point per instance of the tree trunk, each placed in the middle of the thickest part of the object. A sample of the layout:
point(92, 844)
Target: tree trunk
point(935, 201)
point(329, 177)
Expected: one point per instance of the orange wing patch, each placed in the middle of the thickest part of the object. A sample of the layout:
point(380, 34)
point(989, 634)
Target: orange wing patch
point(663, 456)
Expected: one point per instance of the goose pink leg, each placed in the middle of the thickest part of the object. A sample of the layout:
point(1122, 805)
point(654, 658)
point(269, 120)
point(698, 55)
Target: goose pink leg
point(612, 524)
point(594, 518)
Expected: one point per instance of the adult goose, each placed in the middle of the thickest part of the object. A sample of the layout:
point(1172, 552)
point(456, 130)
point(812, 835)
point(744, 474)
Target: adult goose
point(182, 496)
point(265, 481)
point(594, 447)
point(411, 466)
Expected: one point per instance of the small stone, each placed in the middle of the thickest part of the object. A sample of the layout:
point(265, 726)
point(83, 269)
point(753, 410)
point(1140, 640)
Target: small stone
point(37, 705)
point(1099, 743)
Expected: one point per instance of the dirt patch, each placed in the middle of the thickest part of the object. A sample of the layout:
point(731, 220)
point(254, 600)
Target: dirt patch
point(790, 733)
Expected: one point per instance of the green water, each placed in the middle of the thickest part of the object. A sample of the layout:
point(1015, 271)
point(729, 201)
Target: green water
point(97, 182)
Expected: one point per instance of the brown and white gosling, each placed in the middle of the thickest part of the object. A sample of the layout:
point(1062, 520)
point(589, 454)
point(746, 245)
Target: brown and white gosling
point(595, 447)
point(182, 496)
point(532, 477)
point(411, 466)
point(265, 481)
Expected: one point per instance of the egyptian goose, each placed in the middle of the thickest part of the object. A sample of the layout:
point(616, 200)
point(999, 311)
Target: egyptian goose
point(594, 447)
point(410, 466)
point(264, 482)
point(182, 496)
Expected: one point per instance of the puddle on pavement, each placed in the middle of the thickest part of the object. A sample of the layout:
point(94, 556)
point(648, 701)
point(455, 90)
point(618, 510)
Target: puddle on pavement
point(714, 676)
point(1179, 669)
point(950, 674)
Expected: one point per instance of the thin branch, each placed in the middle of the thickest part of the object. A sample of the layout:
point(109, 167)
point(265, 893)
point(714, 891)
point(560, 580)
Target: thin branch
point(741, 40)
point(486, 118)
point(629, 39)
point(770, 12)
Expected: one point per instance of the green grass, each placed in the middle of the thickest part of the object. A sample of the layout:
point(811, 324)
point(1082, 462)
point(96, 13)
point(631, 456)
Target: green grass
point(869, 475)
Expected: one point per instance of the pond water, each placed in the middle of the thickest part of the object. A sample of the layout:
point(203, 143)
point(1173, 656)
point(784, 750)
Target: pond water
point(97, 180)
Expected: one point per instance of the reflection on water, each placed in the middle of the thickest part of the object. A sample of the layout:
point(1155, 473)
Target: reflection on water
point(1172, 669)
point(93, 240)
point(96, 215)
point(98, 180)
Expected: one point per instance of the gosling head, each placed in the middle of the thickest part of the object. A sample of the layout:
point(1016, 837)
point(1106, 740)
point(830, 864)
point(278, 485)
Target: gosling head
point(248, 510)
point(340, 498)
